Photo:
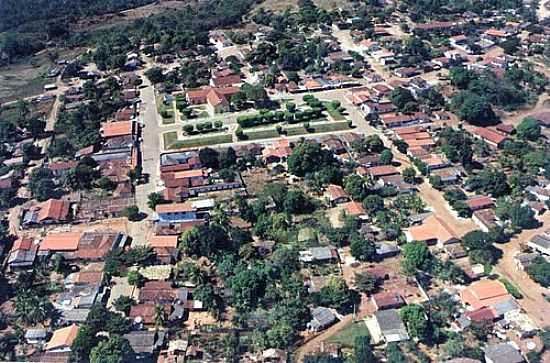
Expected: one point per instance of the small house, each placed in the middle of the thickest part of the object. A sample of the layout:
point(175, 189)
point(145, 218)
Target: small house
point(321, 318)
point(387, 326)
point(503, 353)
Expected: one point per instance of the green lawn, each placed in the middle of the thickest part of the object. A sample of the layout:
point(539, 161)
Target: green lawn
point(347, 336)
point(293, 131)
point(169, 138)
point(334, 126)
point(261, 134)
point(334, 113)
point(200, 141)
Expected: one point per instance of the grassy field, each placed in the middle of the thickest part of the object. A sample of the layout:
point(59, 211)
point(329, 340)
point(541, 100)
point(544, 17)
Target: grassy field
point(334, 113)
point(334, 126)
point(200, 141)
point(169, 138)
point(27, 77)
point(347, 336)
point(261, 134)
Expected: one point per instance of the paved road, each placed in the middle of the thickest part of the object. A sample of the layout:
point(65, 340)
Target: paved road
point(150, 146)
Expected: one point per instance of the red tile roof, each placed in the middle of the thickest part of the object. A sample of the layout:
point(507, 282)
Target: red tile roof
point(53, 209)
point(382, 170)
point(119, 128)
point(489, 135)
point(64, 241)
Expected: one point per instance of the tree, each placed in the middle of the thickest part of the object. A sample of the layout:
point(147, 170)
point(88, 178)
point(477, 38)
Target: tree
point(124, 303)
point(155, 199)
point(409, 175)
point(32, 309)
point(336, 294)
point(366, 282)
point(386, 157)
point(114, 350)
point(354, 185)
point(228, 158)
point(205, 240)
point(41, 184)
point(281, 335)
point(529, 129)
point(402, 98)
point(415, 319)
point(106, 184)
point(132, 213)
point(461, 77)
point(209, 157)
point(248, 285)
point(308, 157)
point(362, 349)
point(296, 202)
point(135, 278)
point(83, 343)
point(155, 75)
point(362, 249)
point(473, 108)
point(539, 271)
point(394, 354)
point(489, 181)
point(83, 174)
point(416, 256)
point(373, 203)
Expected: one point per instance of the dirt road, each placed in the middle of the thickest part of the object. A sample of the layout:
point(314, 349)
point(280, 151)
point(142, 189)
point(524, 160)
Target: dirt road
point(533, 302)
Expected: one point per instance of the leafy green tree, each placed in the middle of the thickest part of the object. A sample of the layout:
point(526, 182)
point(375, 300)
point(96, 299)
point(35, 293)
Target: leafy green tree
point(416, 257)
point(83, 344)
point(529, 129)
point(209, 157)
point(490, 181)
point(132, 213)
point(155, 199)
point(296, 202)
point(281, 335)
point(248, 286)
point(414, 317)
point(336, 294)
point(354, 185)
point(386, 157)
point(155, 75)
point(114, 350)
point(366, 282)
point(32, 309)
point(362, 249)
point(362, 349)
point(41, 184)
point(205, 240)
point(461, 77)
point(402, 98)
point(135, 278)
point(373, 203)
point(308, 157)
point(539, 271)
point(409, 175)
point(473, 108)
point(124, 303)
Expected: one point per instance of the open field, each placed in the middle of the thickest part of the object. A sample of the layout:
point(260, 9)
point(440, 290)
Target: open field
point(281, 5)
point(347, 335)
point(27, 76)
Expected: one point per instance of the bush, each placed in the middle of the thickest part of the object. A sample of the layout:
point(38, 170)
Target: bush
point(188, 129)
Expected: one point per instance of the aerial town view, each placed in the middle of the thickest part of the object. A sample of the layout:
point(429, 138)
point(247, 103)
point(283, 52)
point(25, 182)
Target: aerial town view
point(305, 181)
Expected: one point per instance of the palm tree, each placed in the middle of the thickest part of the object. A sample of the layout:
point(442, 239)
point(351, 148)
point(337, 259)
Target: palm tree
point(220, 215)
